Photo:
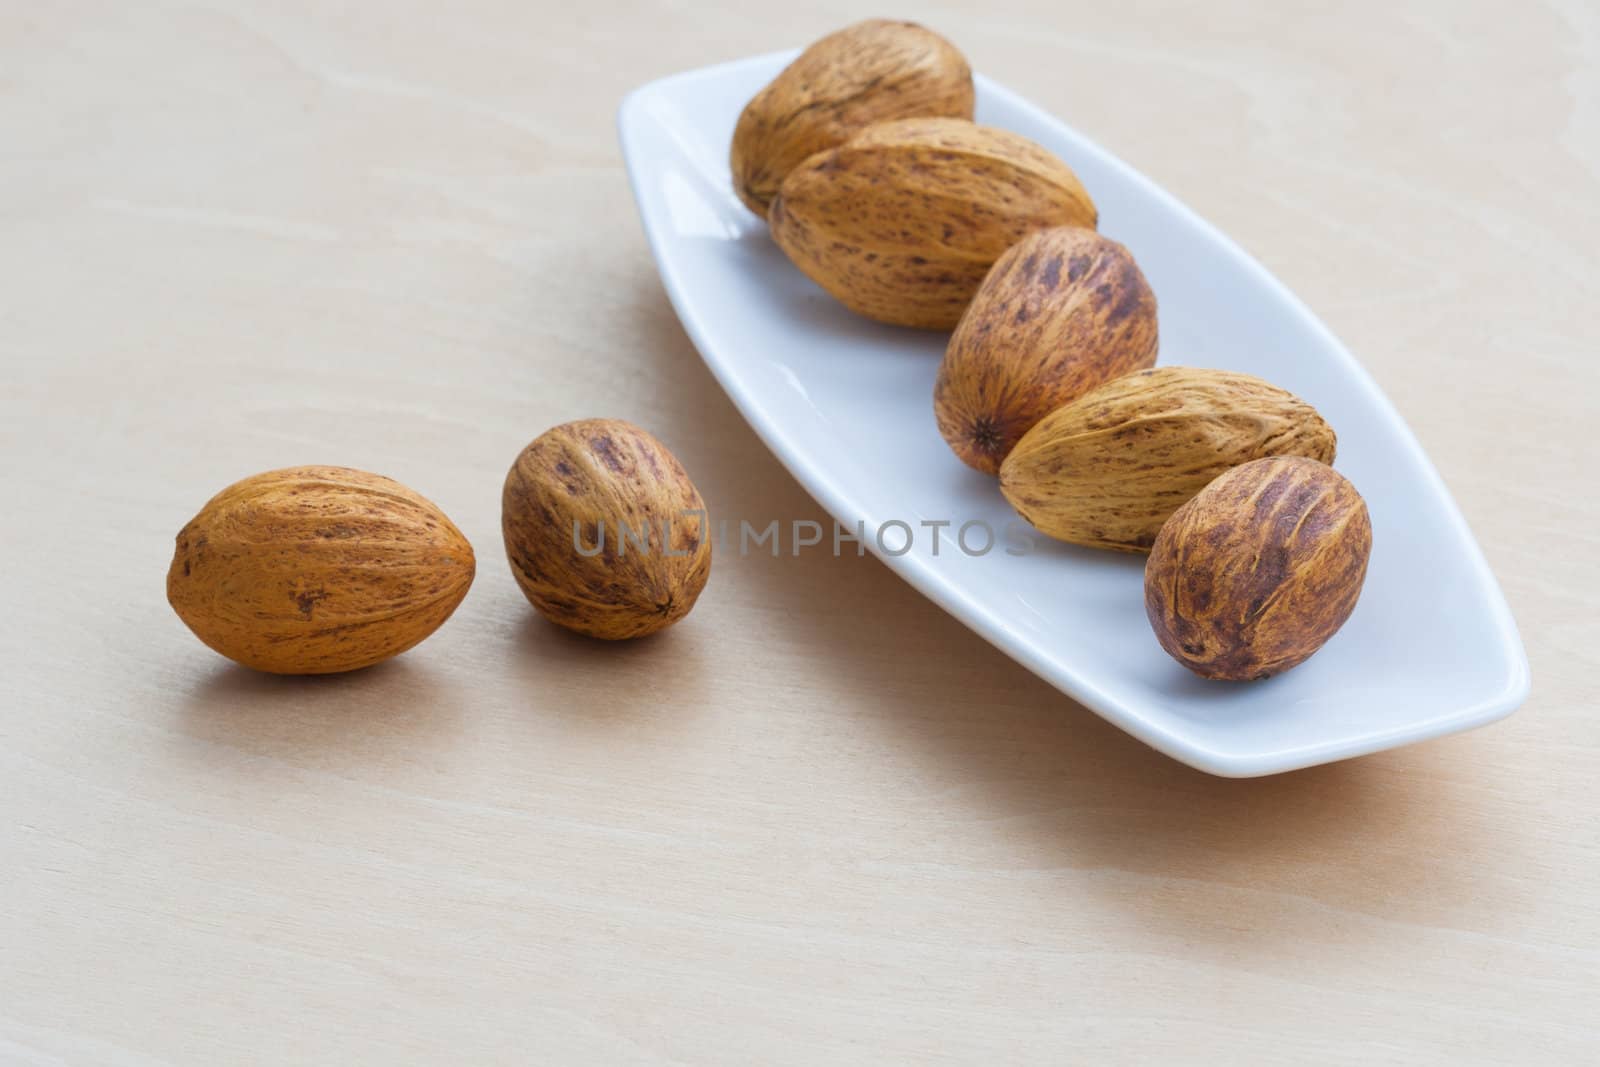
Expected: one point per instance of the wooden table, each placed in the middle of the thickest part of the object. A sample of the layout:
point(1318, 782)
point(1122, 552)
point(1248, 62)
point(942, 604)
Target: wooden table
point(819, 822)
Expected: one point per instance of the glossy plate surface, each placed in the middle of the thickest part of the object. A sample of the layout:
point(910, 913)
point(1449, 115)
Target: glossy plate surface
point(846, 405)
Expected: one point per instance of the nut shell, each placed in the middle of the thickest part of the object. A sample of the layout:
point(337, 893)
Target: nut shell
point(1063, 311)
point(901, 222)
point(1107, 469)
point(1259, 569)
point(314, 570)
point(578, 485)
point(870, 72)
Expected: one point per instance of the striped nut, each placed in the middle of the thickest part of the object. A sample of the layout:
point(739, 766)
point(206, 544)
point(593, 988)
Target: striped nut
point(1259, 570)
point(901, 222)
point(313, 570)
point(604, 531)
point(870, 72)
point(1063, 311)
point(1107, 469)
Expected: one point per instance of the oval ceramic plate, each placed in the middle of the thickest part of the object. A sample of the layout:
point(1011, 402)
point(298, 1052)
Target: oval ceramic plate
point(846, 404)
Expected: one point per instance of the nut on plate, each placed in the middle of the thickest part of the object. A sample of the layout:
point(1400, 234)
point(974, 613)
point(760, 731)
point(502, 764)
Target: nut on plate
point(902, 221)
point(1063, 311)
point(1107, 469)
point(605, 533)
point(872, 71)
point(1257, 571)
point(313, 570)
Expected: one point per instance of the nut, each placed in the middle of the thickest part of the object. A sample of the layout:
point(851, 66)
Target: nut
point(313, 570)
point(869, 72)
point(605, 533)
point(901, 222)
point(1107, 469)
point(1258, 570)
point(1063, 311)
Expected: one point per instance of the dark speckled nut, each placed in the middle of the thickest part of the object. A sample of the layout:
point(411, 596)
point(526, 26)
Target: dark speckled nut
point(1258, 570)
point(604, 531)
point(1062, 311)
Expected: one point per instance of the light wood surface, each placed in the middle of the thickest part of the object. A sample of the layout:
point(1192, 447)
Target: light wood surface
point(820, 822)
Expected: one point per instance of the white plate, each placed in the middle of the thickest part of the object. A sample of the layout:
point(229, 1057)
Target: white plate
point(846, 404)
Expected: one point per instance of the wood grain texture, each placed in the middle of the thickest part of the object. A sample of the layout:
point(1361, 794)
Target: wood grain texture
point(818, 821)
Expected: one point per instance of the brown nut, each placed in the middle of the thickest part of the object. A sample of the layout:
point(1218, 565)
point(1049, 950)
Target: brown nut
point(872, 71)
point(1107, 469)
point(1259, 569)
point(604, 531)
point(312, 570)
point(1063, 311)
point(901, 222)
